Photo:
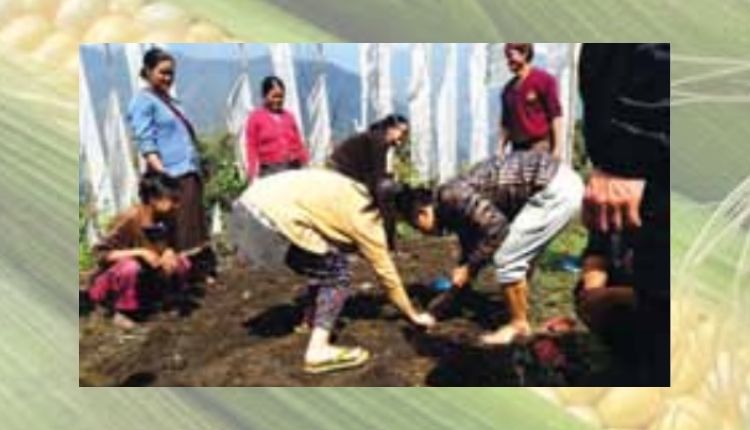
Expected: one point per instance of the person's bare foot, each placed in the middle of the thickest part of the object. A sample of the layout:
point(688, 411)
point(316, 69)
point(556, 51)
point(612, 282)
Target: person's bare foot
point(506, 334)
point(123, 322)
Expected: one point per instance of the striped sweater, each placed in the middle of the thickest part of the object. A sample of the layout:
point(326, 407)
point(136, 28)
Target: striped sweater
point(480, 204)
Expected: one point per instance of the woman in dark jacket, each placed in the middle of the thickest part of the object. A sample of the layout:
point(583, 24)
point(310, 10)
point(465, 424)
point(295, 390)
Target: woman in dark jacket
point(364, 158)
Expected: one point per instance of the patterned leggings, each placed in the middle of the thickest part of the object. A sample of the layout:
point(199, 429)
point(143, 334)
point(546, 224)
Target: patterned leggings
point(331, 282)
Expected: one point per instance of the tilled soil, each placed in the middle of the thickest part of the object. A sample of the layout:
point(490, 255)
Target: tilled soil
point(242, 334)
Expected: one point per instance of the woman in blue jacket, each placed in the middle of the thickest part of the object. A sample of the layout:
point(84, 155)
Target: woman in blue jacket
point(166, 140)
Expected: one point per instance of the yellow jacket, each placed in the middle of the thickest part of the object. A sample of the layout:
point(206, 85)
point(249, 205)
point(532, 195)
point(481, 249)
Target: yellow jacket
point(316, 209)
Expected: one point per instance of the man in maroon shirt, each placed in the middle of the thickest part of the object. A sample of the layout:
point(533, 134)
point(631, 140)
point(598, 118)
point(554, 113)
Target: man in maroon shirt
point(531, 113)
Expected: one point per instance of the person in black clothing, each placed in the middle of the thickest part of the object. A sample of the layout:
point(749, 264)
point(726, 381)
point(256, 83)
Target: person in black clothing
point(625, 90)
point(364, 158)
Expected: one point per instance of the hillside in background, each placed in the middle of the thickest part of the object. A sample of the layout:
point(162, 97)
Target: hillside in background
point(204, 84)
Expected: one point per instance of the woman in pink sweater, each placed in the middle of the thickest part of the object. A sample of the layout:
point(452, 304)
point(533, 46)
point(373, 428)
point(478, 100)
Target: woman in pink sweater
point(272, 137)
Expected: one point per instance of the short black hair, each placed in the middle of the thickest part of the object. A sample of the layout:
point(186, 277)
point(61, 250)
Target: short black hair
point(526, 49)
point(269, 82)
point(392, 120)
point(410, 201)
point(152, 58)
point(154, 185)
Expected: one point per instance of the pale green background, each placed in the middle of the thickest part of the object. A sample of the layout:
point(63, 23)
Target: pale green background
point(38, 189)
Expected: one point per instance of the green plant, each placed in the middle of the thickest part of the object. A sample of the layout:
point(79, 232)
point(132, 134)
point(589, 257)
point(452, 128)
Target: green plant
point(223, 182)
point(571, 242)
point(85, 257)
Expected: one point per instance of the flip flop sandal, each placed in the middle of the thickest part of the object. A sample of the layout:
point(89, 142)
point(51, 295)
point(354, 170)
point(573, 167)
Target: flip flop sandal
point(346, 359)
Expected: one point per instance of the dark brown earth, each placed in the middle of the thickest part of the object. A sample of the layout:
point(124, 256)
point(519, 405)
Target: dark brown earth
point(241, 334)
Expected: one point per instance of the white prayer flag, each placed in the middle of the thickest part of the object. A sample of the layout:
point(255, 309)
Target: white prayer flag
point(375, 81)
point(317, 102)
point(368, 54)
point(283, 66)
point(238, 106)
point(134, 59)
point(479, 145)
point(384, 89)
point(420, 110)
point(99, 182)
point(120, 155)
point(447, 117)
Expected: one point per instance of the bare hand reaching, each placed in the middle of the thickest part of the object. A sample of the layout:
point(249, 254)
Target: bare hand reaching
point(169, 261)
point(461, 276)
point(423, 319)
point(150, 257)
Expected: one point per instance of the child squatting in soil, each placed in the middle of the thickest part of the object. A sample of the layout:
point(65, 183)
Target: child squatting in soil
point(504, 210)
point(604, 297)
point(137, 253)
point(309, 220)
